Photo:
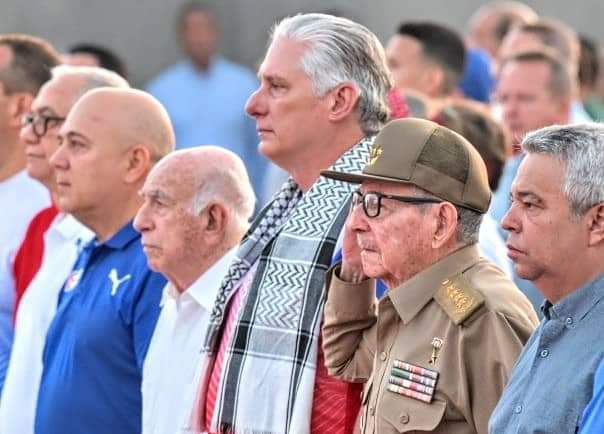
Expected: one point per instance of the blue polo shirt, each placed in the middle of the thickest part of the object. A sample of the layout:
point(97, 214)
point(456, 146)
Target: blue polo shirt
point(97, 341)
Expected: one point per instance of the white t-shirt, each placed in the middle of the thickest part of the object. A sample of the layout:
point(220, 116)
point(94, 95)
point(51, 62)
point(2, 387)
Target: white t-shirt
point(22, 198)
point(36, 311)
point(173, 362)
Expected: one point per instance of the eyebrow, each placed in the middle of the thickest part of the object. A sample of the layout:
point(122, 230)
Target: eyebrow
point(525, 195)
point(76, 135)
point(46, 110)
point(156, 193)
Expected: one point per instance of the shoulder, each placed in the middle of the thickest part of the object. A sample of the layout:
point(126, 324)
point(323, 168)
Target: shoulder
point(232, 69)
point(483, 288)
point(168, 76)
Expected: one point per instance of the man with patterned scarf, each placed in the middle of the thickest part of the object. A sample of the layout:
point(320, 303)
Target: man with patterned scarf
point(322, 97)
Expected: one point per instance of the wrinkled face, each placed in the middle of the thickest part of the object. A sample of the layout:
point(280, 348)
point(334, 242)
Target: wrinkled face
point(199, 36)
point(396, 244)
point(90, 161)
point(171, 233)
point(49, 109)
point(527, 103)
point(541, 229)
point(288, 115)
point(407, 64)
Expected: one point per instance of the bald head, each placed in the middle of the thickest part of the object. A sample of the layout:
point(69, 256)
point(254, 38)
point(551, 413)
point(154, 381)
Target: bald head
point(127, 117)
point(206, 174)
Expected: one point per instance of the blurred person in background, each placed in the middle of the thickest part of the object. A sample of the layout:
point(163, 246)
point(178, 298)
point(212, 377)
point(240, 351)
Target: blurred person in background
point(589, 72)
point(427, 58)
point(197, 204)
point(534, 90)
point(489, 25)
point(25, 63)
point(86, 54)
point(49, 250)
point(108, 307)
point(205, 94)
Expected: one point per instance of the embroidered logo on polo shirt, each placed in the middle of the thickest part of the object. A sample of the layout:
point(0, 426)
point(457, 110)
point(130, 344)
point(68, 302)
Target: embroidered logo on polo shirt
point(116, 281)
point(73, 279)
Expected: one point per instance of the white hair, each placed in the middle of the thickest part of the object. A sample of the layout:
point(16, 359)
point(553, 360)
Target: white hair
point(340, 50)
point(581, 148)
point(93, 76)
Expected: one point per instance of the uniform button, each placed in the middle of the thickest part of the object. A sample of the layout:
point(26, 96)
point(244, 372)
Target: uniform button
point(404, 418)
point(372, 411)
point(383, 356)
point(569, 321)
point(544, 353)
point(518, 409)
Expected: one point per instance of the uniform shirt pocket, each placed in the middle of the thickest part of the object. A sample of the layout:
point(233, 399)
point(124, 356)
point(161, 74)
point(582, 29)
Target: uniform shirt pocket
point(407, 414)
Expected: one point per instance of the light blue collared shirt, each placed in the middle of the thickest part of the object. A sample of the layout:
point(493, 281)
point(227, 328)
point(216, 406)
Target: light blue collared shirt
point(552, 380)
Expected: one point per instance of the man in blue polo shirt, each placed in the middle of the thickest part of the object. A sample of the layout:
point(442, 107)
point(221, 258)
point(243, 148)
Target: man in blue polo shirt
point(108, 307)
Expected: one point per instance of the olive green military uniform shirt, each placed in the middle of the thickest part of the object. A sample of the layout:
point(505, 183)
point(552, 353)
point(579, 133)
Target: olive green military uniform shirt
point(461, 321)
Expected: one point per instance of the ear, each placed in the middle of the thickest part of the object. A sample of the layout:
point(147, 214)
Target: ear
point(138, 163)
point(216, 216)
point(446, 225)
point(434, 77)
point(20, 104)
point(342, 101)
point(595, 222)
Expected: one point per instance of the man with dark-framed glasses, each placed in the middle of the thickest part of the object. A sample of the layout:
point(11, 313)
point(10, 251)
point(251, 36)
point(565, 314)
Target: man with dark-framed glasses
point(436, 350)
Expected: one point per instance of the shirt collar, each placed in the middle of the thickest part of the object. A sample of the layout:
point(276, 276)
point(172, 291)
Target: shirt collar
point(69, 228)
point(409, 298)
point(578, 303)
point(205, 288)
point(122, 238)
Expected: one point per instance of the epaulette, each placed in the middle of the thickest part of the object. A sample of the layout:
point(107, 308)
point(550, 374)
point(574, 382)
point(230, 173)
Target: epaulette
point(458, 298)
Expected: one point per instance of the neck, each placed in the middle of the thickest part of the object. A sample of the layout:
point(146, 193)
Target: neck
point(106, 221)
point(306, 169)
point(555, 288)
point(195, 267)
point(12, 159)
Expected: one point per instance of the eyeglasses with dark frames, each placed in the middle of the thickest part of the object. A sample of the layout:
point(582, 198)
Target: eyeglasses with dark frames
point(40, 123)
point(372, 201)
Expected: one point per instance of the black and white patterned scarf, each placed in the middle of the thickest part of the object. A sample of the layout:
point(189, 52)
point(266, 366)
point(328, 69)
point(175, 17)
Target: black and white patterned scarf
point(268, 374)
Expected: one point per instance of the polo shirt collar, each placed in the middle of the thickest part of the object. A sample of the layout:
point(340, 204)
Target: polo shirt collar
point(409, 298)
point(578, 303)
point(123, 237)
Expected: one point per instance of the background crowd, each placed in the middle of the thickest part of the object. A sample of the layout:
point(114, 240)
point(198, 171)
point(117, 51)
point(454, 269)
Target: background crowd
point(181, 258)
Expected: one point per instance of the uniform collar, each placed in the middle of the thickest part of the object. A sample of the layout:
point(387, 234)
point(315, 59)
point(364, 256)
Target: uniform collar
point(409, 298)
point(578, 303)
point(123, 237)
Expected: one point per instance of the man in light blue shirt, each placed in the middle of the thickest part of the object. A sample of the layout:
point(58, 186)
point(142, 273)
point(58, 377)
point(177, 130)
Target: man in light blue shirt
point(556, 226)
point(108, 307)
point(205, 95)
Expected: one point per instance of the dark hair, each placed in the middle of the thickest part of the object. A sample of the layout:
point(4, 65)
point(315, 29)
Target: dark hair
point(441, 45)
point(32, 60)
point(589, 62)
point(193, 6)
point(106, 58)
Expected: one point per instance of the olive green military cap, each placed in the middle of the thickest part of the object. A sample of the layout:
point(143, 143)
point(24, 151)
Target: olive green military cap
point(430, 156)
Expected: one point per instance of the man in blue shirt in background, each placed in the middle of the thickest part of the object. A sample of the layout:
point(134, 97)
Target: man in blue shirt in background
point(108, 307)
point(205, 95)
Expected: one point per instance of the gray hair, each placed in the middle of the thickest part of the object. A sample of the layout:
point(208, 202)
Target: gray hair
point(93, 77)
point(468, 220)
point(230, 186)
point(581, 148)
point(341, 50)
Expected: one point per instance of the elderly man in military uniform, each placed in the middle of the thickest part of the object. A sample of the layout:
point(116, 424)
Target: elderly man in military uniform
point(437, 350)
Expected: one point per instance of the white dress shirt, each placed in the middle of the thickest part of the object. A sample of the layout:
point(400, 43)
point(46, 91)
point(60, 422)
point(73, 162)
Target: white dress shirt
point(173, 360)
point(36, 311)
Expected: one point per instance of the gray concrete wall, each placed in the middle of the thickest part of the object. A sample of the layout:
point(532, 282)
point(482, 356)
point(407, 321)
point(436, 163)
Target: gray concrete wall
point(143, 31)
